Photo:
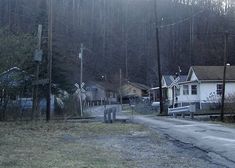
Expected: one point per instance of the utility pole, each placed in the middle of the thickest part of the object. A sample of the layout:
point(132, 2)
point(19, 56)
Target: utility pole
point(37, 60)
point(48, 112)
point(158, 58)
point(191, 34)
point(224, 74)
point(120, 87)
point(126, 62)
point(81, 77)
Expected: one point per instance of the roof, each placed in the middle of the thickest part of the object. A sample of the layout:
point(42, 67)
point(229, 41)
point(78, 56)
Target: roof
point(14, 77)
point(139, 86)
point(9, 70)
point(183, 78)
point(156, 88)
point(212, 73)
point(109, 86)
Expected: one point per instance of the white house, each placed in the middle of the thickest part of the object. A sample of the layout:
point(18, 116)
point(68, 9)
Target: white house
point(203, 85)
point(170, 92)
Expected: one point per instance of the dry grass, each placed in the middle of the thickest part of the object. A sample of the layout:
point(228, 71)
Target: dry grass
point(60, 145)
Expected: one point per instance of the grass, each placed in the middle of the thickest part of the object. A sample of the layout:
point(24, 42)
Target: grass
point(61, 145)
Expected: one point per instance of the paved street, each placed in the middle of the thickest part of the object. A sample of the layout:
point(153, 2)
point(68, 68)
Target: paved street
point(217, 140)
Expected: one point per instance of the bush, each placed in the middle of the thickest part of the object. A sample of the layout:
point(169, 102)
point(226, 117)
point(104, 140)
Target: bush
point(72, 107)
point(230, 103)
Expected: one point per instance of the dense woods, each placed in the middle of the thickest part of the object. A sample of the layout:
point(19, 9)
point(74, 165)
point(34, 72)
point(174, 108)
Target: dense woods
point(117, 34)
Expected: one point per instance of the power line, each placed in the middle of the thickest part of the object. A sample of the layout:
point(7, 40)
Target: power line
point(32, 19)
point(182, 20)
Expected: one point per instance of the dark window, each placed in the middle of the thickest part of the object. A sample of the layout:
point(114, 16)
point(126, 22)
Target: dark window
point(194, 89)
point(219, 89)
point(185, 90)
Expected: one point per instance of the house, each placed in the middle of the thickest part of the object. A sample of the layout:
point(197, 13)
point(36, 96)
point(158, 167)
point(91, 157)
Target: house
point(203, 85)
point(100, 91)
point(132, 89)
point(167, 90)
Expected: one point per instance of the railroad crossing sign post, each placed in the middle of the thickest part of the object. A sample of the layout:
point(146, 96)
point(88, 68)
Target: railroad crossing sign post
point(174, 84)
point(80, 90)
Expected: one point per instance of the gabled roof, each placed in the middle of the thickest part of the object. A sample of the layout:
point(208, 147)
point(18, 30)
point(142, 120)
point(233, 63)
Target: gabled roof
point(168, 81)
point(107, 85)
point(212, 73)
point(139, 86)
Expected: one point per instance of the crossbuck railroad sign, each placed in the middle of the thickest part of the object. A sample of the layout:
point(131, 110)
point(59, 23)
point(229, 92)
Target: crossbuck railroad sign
point(174, 82)
point(80, 89)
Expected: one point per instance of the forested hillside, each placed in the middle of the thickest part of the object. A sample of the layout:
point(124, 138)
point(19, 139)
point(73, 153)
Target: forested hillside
point(117, 34)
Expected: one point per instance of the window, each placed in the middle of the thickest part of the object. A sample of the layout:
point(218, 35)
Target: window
point(177, 91)
point(219, 89)
point(185, 90)
point(194, 89)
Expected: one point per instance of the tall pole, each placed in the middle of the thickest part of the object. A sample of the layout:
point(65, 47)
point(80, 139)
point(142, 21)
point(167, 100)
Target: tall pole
point(158, 57)
point(81, 78)
point(191, 34)
point(126, 62)
point(224, 74)
point(120, 87)
point(49, 59)
point(35, 92)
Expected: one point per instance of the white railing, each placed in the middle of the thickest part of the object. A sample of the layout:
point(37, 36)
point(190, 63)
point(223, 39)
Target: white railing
point(191, 109)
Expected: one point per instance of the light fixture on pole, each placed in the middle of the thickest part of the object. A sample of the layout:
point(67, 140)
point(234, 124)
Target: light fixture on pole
point(224, 74)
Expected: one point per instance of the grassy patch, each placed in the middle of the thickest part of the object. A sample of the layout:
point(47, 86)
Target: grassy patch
point(60, 145)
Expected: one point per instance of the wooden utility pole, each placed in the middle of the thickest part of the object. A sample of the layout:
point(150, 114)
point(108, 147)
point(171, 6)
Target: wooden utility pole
point(35, 87)
point(158, 58)
point(49, 59)
point(224, 74)
point(191, 34)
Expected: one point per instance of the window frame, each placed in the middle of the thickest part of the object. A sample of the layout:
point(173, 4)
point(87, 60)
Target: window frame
point(219, 91)
point(185, 91)
point(194, 89)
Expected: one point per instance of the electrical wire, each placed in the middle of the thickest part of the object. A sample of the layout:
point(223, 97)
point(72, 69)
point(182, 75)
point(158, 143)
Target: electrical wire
point(182, 20)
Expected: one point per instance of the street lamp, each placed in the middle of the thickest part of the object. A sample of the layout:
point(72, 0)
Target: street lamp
point(81, 78)
point(224, 74)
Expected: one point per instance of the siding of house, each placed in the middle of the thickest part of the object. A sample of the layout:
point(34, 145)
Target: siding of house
point(170, 95)
point(193, 77)
point(95, 93)
point(189, 98)
point(130, 90)
point(203, 93)
point(209, 88)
